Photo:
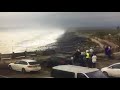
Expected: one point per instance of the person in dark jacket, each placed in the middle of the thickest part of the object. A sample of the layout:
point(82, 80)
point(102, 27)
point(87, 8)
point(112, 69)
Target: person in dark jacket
point(76, 57)
point(82, 61)
point(109, 51)
point(106, 50)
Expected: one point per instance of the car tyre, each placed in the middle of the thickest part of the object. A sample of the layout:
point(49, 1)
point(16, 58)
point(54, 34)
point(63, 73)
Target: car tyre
point(23, 70)
point(106, 74)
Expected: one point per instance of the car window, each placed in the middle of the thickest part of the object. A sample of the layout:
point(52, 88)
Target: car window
point(23, 62)
point(33, 63)
point(62, 74)
point(96, 74)
point(81, 75)
point(117, 66)
point(17, 62)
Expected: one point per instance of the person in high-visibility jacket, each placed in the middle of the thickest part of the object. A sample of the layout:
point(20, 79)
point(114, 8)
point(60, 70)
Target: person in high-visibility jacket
point(87, 55)
point(88, 59)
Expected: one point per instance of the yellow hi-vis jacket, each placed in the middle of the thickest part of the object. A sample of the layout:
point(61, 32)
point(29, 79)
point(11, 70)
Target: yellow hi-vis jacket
point(87, 55)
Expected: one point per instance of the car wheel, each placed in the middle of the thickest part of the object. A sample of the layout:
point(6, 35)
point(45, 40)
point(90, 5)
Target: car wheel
point(23, 70)
point(10, 68)
point(106, 74)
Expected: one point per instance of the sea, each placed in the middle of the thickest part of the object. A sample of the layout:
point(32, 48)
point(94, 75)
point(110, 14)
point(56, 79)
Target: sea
point(19, 40)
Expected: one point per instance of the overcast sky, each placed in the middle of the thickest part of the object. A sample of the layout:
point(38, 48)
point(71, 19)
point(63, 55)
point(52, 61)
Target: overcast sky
point(36, 24)
point(10, 20)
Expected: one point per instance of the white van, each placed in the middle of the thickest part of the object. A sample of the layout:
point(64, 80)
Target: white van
point(72, 71)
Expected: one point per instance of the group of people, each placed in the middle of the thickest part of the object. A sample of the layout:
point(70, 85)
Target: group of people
point(86, 59)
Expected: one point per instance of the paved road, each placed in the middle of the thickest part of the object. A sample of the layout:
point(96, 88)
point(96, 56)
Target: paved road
point(1, 76)
point(6, 73)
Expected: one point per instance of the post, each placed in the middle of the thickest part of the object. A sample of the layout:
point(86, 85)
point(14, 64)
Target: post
point(13, 55)
point(25, 53)
point(12, 46)
point(0, 57)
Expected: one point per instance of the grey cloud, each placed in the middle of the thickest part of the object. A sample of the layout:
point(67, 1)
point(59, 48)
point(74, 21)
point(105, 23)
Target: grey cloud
point(58, 19)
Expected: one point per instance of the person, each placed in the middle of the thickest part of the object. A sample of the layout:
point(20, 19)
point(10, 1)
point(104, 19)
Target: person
point(13, 55)
point(106, 50)
point(109, 51)
point(25, 53)
point(94, 60)
point(82, 63)
point(72, 60)
point(88, 60)
point(91, 50)
point(76, 56)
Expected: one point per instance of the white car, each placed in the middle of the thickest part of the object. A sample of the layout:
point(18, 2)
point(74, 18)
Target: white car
point(25, 65)
point(72, 71)
point(112, 70)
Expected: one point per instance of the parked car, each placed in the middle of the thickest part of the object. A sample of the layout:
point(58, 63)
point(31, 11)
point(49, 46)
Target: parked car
point(72, 71)
point(55, 61)
point(112, 70)
point(25, 66)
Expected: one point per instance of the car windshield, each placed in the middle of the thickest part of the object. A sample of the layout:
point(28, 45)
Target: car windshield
point(33, 63)
point(96, 74)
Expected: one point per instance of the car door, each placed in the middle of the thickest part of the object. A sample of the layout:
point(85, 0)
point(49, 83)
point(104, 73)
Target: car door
point(22, 65)
point(15, 65)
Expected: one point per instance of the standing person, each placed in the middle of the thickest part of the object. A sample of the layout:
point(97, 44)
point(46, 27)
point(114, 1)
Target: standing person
point(25, 53)
point(106, 50)
point(13, 55)
point(94, 60)
point(91, 50)
point(88, 60)
point(82, 59)
point(109, 51)
point(76, 56)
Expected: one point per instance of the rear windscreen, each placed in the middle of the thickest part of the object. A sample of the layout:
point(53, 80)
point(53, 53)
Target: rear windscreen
point(96, 74)
point(61, 74)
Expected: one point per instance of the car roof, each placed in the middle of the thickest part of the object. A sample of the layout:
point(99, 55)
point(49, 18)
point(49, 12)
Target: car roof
point(114, 64)
point(75, 69)
point(28, 60)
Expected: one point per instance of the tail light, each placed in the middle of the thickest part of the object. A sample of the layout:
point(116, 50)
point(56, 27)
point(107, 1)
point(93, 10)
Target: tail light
point(31, 66)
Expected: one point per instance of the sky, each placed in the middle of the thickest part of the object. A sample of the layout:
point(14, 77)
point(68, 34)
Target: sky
point(30, 30)
point(63, 20)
